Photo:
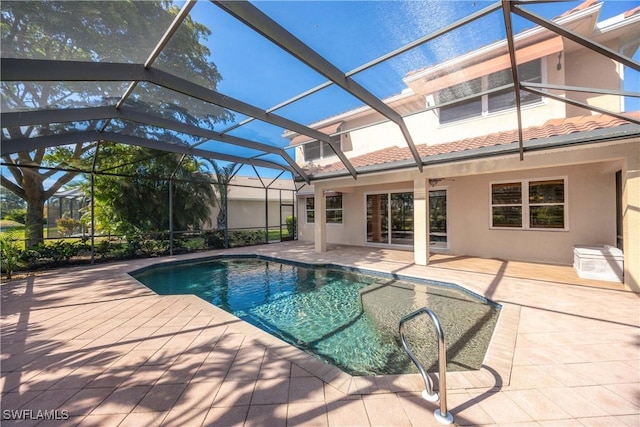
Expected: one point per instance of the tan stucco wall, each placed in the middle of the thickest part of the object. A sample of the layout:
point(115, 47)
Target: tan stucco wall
point(249, 214)
point(590, 171)
point(591, 216)
point(586, 68)
point(581, 67)
point(631, 219)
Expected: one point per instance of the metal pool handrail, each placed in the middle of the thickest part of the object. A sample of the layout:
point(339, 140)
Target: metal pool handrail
point(441, 414)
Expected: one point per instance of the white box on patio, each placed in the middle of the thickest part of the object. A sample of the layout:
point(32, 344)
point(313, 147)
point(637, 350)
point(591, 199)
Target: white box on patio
point(599, 262)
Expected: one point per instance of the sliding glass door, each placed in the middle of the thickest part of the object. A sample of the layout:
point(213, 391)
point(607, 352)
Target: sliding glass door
point(390, 218)
point(378, 218)
point(438, 219)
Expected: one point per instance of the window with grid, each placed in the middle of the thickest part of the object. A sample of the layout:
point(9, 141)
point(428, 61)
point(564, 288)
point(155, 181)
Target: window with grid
point(333, 211)
point(310, 210)
point(529, 204)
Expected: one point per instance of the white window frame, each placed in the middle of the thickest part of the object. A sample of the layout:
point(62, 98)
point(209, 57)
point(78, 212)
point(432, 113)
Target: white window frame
point(526, 205)
point(307, 210)
point(439, 247)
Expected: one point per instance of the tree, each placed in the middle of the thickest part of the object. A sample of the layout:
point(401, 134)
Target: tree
point(11, 204)
point(123, 31)
point(221, 184)
point(137, 198)
point(9, 201)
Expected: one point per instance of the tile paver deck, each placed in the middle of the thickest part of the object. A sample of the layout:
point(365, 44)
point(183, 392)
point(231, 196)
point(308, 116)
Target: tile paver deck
point(94, 343)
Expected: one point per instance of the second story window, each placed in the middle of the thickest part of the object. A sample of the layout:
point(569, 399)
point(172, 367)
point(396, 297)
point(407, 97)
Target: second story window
point(469, 106)
point(499, 100)
point(319, 150)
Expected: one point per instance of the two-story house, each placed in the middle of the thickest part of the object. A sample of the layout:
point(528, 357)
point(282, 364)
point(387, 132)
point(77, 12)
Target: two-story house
point(574, 181)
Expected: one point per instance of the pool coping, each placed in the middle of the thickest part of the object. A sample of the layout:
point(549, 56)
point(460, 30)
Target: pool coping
point(494, 373)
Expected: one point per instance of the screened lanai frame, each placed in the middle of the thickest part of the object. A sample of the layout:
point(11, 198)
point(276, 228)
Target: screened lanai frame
point(36, 70)
point(200, 139)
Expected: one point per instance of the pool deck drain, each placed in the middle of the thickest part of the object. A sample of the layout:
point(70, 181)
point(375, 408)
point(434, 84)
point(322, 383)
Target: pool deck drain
point(93, 342)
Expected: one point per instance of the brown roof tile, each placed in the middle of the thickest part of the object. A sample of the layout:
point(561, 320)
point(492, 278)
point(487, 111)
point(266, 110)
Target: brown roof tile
point(585, 4)
point(553, 127)
point(630, 13)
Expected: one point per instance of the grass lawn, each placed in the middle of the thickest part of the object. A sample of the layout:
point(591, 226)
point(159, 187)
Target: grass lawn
point(6, 224)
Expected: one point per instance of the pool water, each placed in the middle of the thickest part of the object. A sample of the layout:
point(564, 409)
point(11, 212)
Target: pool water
point(320, 311)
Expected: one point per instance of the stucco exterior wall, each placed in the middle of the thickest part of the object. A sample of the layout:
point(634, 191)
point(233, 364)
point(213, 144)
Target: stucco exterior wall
point(586, 68)
point(590, 204)
point(591, 216)
point(425, 127)
point(579, 67)
point(249, 214)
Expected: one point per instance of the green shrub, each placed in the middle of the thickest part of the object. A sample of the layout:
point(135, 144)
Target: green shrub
point(238, 238)
point(213, 239)
point(67, 226)
point(9, 256)
point(17, 215)
point(60, 250)
point(292, 225)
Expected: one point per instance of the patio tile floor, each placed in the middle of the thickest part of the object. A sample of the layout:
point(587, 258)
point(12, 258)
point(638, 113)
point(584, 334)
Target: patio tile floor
point(95, 343)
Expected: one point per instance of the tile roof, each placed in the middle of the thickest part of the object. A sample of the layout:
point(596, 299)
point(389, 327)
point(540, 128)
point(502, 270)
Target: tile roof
point(554, 127)
point(584, 5)
point(630, 13)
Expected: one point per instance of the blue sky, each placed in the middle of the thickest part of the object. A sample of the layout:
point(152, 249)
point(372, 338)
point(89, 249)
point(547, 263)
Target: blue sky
point(349, 34)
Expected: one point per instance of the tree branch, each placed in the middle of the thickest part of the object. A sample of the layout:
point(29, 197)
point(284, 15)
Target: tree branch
point(18, 191)
point(37, 157)
point(15, 171)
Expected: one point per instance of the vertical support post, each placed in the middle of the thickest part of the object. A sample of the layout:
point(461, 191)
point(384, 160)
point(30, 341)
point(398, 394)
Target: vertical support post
point(631, 221)
point(93, 218)
point(226, 215)
point(320, 220)
point(93, 203)
point(280, 212)
point(48, 217)
point(266, 214)
point(171, 216)
point(420, 220)
point(296, 211)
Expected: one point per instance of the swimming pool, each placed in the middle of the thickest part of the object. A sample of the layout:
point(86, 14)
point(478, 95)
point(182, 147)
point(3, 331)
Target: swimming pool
point(342, 316)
